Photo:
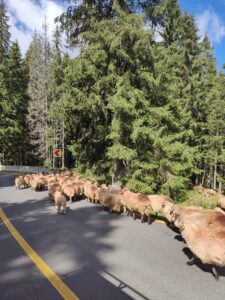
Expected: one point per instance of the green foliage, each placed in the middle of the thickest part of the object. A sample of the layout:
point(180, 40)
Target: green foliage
point(13, 106)
point(175, 187)
point(139, 186)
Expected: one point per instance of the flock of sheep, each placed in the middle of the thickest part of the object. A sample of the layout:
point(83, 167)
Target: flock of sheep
point(203, 230)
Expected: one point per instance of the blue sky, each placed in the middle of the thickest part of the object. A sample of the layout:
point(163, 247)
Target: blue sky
point(27, 15)
point(210, 16)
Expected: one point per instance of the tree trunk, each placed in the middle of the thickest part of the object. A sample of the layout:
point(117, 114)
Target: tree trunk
point(215, 171)
point(203, 178)
point(215, 166)
point(63, 145)
point(114, 171)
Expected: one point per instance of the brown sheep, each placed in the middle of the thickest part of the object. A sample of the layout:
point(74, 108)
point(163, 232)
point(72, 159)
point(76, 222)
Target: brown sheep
point(167, 211)
point(69, 191)
point(27, 178)
point(38, 183)
point(33, 183)
point(110, 198)
point(19, 181)
point(207, 245)
point(53, 189)
point(210, 219)
point(41, 183)
point(79, 188)
point(91, 191)
point(137, 203)
point(158, 202)
point(221, 201)
point(60, 201)
point(178, 212)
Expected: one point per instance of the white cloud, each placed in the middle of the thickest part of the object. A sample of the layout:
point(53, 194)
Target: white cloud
point(210, 23)
point(28, 15)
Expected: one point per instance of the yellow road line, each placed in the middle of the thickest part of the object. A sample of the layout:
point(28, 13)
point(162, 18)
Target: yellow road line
point(160, 221)
point(59, 285)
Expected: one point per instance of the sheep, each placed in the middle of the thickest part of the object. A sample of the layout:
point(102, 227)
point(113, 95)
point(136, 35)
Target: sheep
point(91, 191)
point(110, 198)
point(167, 211)
point(211, 219)
point(221, 201)
point(79, 188)
point(60, 201)
point(19, 181)
point(137, 203)
point(207, 245)
point(53, 189)
point(69, 191)
point(27, 178)
point(160, 203)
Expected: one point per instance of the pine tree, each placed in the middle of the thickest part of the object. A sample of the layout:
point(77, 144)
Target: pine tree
point(39, 93)
point(125, 108)
point(4, 47)
point(13, 96)
point(214, 141)
point(17, 93)
point(79, 17)
point(4, 32)
point(56, 116)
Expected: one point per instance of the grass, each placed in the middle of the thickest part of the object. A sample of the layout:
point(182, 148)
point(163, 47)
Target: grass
point(194, 197)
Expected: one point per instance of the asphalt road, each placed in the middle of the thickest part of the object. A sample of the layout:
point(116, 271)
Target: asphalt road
point(98, 255)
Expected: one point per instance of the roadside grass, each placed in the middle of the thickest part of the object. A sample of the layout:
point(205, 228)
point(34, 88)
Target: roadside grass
point(196, 198)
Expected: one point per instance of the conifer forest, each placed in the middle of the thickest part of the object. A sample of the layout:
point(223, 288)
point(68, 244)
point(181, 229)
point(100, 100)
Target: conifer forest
point(143, 101)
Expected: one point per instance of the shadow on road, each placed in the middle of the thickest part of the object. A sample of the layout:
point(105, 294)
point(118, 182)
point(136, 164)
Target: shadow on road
point(7, 180)
point(73, 245)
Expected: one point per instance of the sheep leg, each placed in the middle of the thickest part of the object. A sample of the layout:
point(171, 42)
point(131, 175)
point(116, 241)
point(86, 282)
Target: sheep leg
point(191, 261)
point(64, 210)
point(58, 209)
point(149, 219)
point(215, 273)
point(124, 209)
point(134, 216)
point(70, 200)
point(142, 218)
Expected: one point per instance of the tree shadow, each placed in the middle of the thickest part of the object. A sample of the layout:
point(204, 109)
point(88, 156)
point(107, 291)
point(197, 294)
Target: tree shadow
point(73, 245)
point(7, 180)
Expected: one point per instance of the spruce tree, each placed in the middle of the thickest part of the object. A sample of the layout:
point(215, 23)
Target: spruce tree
point(55, 114)
point(4, 32)
point(39, 93)
point(17, 93)
point(13, 96)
